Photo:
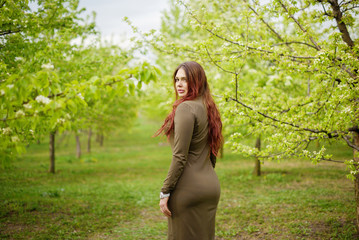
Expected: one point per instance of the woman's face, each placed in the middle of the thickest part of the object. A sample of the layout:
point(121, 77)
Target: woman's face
point(181, 83)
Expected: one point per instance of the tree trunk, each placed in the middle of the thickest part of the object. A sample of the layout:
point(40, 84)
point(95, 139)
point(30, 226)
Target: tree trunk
point(52, 152)
point(356, 180)
point(257, 166)
point(101, 139)
point(78, 146)
point(89, 140)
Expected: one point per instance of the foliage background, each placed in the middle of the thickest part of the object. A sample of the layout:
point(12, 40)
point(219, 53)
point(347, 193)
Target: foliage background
point(280, 71)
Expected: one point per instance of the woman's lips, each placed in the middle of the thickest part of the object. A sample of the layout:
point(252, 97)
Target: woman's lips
point(180, 91)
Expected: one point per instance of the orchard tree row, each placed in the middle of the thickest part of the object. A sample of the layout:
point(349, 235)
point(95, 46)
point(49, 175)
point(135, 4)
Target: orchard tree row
point(56, 75)
point(282, 71)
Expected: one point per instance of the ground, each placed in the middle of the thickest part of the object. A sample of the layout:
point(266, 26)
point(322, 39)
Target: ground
point(112, 193)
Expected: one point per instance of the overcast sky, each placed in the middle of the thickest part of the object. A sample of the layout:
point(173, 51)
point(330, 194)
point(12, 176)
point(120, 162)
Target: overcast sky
point(145, 14)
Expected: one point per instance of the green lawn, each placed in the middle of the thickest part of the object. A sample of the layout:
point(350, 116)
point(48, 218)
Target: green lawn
point(113, 194)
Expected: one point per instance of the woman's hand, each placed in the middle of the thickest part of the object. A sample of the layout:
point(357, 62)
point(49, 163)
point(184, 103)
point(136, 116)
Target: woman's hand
point(164, 207)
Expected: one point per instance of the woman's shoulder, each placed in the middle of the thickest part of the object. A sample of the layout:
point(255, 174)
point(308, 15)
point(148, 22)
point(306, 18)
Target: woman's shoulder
point(184, 112)
point(185, 106)
point(193, 106)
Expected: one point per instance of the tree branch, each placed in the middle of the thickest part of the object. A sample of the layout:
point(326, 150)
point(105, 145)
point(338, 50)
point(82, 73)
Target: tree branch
point(295, 147)
point(283, 122)
point(351, 8)
point(342, 3)
point(293, 42)
point(217, 65)
point(338, 15)
point(238, 44)
point(331, 160)
point(298, 105)
point(351, 74)
point(62, 93)
point(281, 153)
point(350, 144)
point(2, 33)
point(325, 10)
point(299, 25)
point(265, 23)
point(354, 129)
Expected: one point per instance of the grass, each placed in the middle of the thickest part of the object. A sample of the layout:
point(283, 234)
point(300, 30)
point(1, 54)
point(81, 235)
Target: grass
point(112, 193)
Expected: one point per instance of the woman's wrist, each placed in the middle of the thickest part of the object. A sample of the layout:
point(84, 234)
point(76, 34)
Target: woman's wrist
point(164, 195)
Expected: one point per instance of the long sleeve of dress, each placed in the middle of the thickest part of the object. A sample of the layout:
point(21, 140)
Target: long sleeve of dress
point(183, 130)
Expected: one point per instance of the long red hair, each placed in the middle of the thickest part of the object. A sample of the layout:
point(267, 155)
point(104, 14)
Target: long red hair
point(197, 86)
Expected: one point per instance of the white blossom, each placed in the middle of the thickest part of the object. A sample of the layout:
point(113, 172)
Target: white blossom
point(6, 131)
point(10, 86)
point(57, 105)
point(80, 96)
point(27, 106)
point(42, 99)
point(60, 121)
point(19, 59)
point(347, 109)
point(47, 66)
point(15, 139)
point(19, 113)
point(2, 92)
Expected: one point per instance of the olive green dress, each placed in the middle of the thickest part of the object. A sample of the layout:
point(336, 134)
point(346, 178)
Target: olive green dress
point(191, 179)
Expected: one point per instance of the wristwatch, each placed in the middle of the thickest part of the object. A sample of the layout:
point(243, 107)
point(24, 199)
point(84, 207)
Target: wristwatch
point(164, 195)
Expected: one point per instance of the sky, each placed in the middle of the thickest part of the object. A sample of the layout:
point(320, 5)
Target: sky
point(145, 14)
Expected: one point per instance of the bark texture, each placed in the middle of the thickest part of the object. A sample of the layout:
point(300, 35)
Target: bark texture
point(78, 146)
point(257, 166)
point(338, 15)
point(101, 140)
point(52, 152)
point(89, 140)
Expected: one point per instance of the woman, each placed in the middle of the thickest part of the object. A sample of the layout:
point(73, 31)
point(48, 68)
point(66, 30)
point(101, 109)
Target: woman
point(190, 193)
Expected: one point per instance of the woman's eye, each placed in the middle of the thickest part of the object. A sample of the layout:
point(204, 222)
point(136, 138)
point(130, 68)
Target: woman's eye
point(183, 80)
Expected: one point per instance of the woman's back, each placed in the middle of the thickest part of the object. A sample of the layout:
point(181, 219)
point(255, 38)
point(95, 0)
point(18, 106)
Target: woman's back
point(194, 201)
point(190, 193)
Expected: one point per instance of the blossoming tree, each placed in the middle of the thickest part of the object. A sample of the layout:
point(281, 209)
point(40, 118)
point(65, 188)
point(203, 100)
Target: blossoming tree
point(47, 82)
point(294, 67)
